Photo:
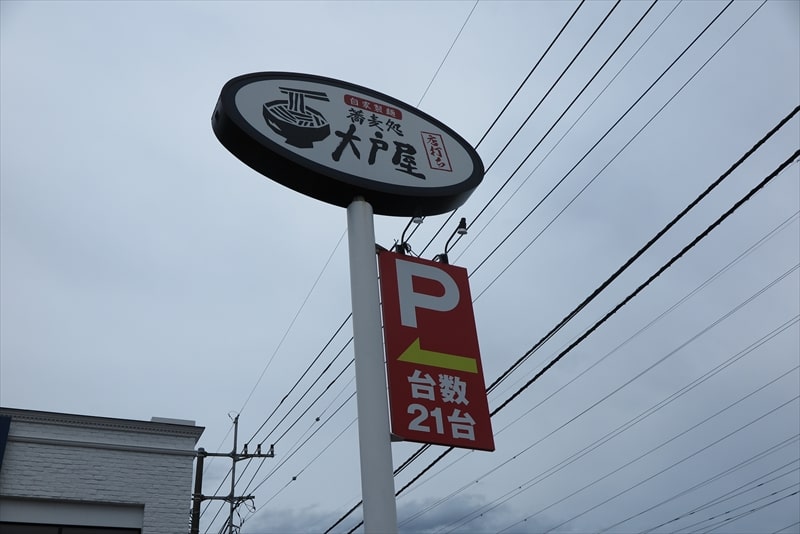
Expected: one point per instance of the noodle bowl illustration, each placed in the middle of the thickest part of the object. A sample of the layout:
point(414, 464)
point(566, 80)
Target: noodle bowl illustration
point(299, 124)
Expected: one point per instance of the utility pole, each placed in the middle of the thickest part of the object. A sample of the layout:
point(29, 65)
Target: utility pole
point(232, 498)
point(198, 491)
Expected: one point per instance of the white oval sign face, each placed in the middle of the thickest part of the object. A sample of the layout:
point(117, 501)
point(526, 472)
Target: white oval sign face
point(333, 141)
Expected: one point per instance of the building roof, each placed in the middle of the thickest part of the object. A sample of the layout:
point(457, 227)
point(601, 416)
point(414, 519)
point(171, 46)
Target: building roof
point(163, 426)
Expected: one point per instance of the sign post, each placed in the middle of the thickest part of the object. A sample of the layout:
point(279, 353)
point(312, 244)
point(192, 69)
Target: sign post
point(377, 479)
point(363, 150)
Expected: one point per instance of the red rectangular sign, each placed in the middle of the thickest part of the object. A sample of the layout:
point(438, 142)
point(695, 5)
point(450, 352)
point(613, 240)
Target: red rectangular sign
point(369, 105)
point(436, 389)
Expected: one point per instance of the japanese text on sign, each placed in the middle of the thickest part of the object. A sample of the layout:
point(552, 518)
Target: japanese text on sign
point(437, 155)
point(436, 389)
point(403, 153)
point(451, 389)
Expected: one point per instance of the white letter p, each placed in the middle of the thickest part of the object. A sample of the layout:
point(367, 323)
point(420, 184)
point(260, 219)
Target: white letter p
point(410, 301)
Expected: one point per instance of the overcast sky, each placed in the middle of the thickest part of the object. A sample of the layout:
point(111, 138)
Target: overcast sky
point(145, 271)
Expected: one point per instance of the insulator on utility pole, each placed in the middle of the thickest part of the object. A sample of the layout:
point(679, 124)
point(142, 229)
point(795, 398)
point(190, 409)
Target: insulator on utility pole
point(235, 501)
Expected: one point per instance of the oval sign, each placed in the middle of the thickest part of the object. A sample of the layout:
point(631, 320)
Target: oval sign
point(334, 141)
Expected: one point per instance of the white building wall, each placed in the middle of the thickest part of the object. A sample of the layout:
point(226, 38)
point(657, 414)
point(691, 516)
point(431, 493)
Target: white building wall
point(83, 459)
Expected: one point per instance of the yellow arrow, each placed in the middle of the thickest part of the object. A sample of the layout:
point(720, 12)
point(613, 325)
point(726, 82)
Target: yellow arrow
point(416, 354)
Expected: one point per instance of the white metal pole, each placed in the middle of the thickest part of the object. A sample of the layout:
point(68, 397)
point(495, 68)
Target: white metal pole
point(377, 480)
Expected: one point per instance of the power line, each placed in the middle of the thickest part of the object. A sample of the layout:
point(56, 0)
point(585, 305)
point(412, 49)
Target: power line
point(787, 527)
point(558, 79)
point(302, 440)
point(293, 449)
point(718, 476)
point(591, 149)
point(530, 73)
point(308, 390)
point(502, 111)
point(288, 457)
point(308, 408)
point(419, 451)
point(495, 411)
point(621, 428)
point(317, 419)
point(313, 403)
point(444, 59)
point(294, 406)
point(627, 299)
point(564, 135)
point(703, 449)
point(247, 465)
point(749, 250)
point(614, 276)
point(737, 492)
point(545, 96)
point(730, 520)
point(658, 406)
point(652, 450)
point(782, 226)
point(291, 324)
point(340, 239)
point(305, 372)
point(264, 370)
point(295, 477)
point(591, 181)
point(425, 447)
point(304, 443)
point(447, 54)
point(651, 242)
point(569, 106)
point(655, 275)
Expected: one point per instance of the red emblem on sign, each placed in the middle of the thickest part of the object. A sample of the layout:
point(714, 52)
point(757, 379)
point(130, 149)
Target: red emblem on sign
point(375, 107)
point(436, 388)
point(437, 154)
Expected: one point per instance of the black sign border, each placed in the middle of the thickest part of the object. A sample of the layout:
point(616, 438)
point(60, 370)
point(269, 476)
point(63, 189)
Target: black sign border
point(326, 184)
